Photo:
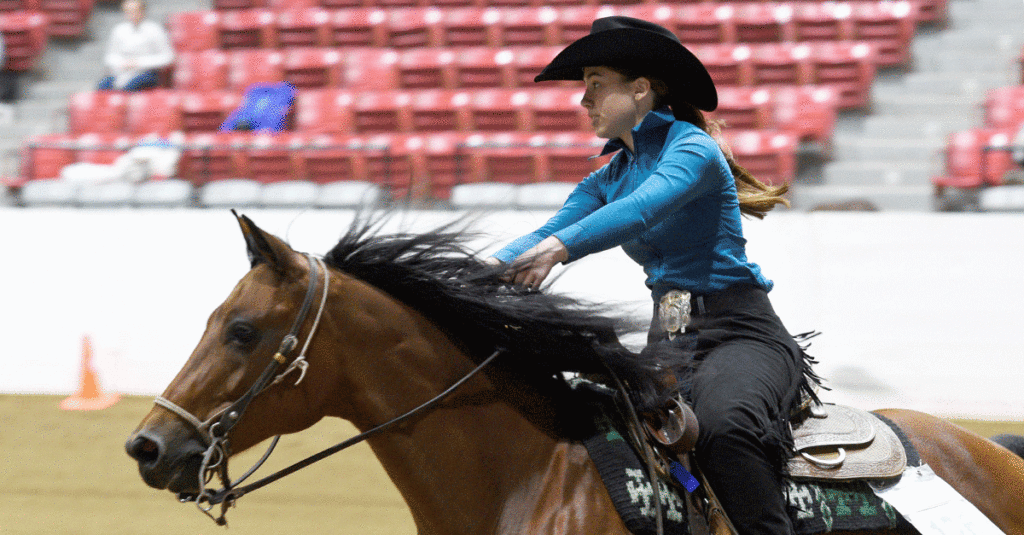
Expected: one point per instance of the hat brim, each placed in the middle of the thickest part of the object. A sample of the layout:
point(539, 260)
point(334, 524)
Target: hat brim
point(642, 51)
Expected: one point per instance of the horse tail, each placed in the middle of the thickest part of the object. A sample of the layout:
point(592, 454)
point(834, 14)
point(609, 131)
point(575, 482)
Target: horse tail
point(1014, 443)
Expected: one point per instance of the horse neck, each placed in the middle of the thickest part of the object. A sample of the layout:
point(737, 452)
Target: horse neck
point(458, 466)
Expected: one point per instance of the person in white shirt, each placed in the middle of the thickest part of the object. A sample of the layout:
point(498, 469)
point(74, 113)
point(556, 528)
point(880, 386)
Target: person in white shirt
point(136, 51)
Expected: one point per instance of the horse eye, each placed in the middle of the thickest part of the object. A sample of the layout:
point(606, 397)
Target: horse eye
point(242, 334)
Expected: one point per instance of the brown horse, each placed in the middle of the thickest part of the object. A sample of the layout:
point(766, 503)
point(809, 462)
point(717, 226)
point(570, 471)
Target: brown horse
point(389, 322)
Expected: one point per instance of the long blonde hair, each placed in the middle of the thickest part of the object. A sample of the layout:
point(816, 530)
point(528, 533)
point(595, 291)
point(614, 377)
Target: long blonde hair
point(756, 198)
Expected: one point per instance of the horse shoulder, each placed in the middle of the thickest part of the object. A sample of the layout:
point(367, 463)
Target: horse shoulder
point(988, 476)
point(565, 496)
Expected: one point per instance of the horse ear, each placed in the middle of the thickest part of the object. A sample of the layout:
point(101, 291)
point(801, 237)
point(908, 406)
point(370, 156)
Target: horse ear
point(262, 247)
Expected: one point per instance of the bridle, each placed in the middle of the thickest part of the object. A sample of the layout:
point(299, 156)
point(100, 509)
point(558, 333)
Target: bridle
point(216, 428)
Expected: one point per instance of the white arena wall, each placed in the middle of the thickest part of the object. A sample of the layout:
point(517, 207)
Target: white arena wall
point(920, 311)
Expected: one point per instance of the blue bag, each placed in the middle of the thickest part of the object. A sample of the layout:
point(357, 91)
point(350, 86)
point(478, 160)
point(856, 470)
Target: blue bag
point(264, 108)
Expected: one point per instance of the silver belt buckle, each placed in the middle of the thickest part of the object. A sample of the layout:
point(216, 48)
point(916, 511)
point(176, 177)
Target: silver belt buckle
point(674, 312)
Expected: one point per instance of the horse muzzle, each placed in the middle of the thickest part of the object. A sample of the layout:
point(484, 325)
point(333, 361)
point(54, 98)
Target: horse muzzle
point(167, 463)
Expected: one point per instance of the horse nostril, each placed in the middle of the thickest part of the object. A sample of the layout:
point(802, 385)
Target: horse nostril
point(142, 449)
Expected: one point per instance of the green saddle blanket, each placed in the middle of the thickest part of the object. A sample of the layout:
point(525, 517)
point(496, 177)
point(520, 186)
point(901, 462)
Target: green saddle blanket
point(813, 506)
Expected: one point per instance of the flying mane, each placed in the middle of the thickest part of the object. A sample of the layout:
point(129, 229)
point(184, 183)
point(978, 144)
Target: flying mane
point(440, 276)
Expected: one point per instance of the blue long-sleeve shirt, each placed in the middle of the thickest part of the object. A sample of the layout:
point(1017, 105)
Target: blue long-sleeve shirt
point(671, 205)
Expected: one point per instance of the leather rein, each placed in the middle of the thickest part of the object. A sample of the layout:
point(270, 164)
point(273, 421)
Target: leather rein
point(216, 428)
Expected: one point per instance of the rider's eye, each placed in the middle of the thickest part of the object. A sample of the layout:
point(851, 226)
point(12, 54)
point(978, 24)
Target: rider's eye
point(242, 334)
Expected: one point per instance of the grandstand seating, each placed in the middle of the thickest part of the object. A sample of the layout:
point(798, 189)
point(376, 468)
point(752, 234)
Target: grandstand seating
point(25, 34)
point(67, 18)
point(414, 97)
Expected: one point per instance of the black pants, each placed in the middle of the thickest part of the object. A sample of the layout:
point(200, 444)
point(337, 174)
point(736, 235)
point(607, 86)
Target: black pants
point(748, 378)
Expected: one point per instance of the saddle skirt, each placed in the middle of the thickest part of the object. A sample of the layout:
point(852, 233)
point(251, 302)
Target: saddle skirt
point(837, 442)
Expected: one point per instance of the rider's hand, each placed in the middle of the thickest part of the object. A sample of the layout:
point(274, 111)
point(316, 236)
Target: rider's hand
point(533, 266)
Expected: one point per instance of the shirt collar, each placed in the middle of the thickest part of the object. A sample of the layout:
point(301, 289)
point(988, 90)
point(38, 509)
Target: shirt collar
point(653, 119)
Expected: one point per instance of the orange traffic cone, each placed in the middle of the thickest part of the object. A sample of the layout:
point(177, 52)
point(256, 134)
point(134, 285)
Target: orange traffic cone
point(89, 397)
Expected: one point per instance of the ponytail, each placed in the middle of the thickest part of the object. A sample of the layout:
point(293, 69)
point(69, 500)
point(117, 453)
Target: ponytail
point(756, 197)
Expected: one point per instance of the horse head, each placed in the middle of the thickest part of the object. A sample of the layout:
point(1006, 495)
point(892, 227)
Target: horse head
point(246, 342)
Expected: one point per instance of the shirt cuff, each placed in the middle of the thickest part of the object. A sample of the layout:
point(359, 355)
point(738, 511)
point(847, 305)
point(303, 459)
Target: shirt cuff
point(569, 236)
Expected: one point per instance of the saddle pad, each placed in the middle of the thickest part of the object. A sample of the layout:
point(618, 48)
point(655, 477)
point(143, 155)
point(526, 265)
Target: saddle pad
point(824, 506)
point(843, 426)
point(883, 458)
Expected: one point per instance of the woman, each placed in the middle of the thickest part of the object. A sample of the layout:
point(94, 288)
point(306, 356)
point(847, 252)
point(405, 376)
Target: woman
point(672, 199)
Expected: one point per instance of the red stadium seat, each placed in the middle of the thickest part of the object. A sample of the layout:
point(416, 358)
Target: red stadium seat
point(194, 30)
point(439, 110)
point(376, 69)
point(324, 112)
point(247, 67)
point(727, 64)
point(205, 112)
point(780, 64)
point(558, 110)
point(438, 164)
point(212, 156)
point(358, 28)
point(426, 68)
point(96, 111)
point(327, 158)
point(744, 108)
point(68, 18)
point(762, 23)
point(157, 111)
point(969, 164)
point(526, 27)
point(201, 71)
point(304, 28)
point(7, 6)
point(25, 35)
point(249, 28)
point(381, 112)
point(507, 157)
point(390, 163)
point(527, 62)
point(414, 28)
point(888, 25)
point(574, 21)
point(224, 5)
point(499, 110)
point(849, 67)
point(825, 21)
point(1004, 107)
point(705, 23)
point(769, 156)
point(483, 67)
point(341, 4)
point(102, 148)
point(471, 27)
point(271, 158)
point(569, 156)
point(808, 112)
point(309, 68)
point(44, 156)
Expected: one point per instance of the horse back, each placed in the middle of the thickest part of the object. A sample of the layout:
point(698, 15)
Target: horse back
point(987, 475)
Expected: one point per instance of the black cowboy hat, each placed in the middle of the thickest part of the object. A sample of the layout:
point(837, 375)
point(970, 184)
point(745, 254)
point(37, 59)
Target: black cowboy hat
point(640, 46)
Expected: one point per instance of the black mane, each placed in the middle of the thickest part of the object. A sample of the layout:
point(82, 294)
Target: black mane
point(437, 274)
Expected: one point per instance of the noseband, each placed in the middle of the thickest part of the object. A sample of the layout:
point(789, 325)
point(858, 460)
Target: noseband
point(215, 429)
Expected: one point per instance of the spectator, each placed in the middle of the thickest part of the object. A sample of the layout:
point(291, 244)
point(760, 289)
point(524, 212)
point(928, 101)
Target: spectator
point(136, 51)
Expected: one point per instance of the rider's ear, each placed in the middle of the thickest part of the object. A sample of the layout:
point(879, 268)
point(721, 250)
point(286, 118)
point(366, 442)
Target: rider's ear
point(262, 247)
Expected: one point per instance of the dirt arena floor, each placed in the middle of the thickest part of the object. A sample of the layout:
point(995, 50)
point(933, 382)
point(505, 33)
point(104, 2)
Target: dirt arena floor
point(67, 473)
